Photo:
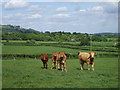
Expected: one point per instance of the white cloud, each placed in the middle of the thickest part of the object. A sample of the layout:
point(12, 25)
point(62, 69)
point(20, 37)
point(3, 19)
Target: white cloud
point(14, 4)
point(77, 24)
point(62, 9)
point(62, 15)
point(34, 8)
point(22, 16)
point(35, 16)
point(51, 23)
point(111, 7)
point(96, 8)
point(82, 10)
point(11, 16)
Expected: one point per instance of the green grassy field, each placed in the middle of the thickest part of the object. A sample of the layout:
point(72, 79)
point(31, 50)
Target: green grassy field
point(37, 50)
point(34, 49)
point(27, 73)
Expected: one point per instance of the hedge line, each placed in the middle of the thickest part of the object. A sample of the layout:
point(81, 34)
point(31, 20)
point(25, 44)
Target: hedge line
point(64, 45)
point(69, 56)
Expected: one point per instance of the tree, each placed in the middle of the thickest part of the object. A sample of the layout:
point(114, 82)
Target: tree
point(85, 42)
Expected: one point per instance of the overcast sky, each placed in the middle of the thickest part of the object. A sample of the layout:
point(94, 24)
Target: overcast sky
point(83, 17)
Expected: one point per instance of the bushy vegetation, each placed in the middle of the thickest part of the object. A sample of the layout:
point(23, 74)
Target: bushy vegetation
point(17, 33)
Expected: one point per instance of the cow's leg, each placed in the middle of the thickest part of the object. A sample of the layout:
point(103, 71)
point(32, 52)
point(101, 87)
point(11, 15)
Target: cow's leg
point(81, 65)
point(93, 66)
point(46, 64)
point(62, 66)
point(65, 67)
point(55, 64)
point(88, 66)
point(43, 64)
point(58, 65)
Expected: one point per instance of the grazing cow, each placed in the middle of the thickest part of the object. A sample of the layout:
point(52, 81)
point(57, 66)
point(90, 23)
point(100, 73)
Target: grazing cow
point(62, 61)
point(44, 58)
point(86, 58)
point(55, 56)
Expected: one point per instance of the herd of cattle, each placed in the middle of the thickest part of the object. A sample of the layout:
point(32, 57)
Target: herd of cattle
point(59, 60)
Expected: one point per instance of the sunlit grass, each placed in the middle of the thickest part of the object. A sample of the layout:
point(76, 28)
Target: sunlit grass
point(27, 73)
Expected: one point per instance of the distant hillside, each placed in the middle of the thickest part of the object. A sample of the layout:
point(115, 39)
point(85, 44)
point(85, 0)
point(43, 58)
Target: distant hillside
point(104, 34)
point(11, 28)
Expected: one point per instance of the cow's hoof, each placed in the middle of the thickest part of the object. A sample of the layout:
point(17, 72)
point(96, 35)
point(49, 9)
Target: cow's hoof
point(51, 68)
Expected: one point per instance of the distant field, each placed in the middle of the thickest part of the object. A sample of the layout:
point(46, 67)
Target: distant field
point(93, 42)
point(35, 50)
point(27, 73)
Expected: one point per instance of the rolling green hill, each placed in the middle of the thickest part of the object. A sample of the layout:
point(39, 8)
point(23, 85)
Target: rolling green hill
point(18, 29)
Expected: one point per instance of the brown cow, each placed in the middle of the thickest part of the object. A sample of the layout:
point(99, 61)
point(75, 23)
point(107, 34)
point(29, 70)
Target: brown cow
point(55, 56)
point(44, 58)
point(62, 61)
point(86, 58)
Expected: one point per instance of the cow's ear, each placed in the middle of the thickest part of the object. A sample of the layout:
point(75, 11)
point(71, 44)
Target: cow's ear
point(90, 53)
point(78, 53)
point(95, 53)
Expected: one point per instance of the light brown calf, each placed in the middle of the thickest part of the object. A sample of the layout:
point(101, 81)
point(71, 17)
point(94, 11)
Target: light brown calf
point(62, 61)
point(55, 56)
point(86, 58)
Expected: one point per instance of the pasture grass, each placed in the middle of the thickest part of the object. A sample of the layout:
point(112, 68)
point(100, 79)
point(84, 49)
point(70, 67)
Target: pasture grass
point(35, 50)
point(27, 73)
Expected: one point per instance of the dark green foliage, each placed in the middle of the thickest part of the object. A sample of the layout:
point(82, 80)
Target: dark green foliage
point(30, 41)
point(17, 29)
point(85, 40)
point(10, 32)
point(99, 38)
point(7, 41)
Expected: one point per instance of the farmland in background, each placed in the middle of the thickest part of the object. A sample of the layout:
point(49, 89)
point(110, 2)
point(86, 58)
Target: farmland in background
point(21, 49)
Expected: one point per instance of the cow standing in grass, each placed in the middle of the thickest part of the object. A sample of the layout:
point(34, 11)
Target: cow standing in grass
point(44, 59)
point(86, 58)
point(62, 61)
point(55, 56)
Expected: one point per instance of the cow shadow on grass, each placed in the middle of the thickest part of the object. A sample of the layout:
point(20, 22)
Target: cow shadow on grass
point(43, 68)
point(80, 69)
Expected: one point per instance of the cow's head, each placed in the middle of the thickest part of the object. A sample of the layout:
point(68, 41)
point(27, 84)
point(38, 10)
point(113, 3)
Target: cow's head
point(61, 55)
point(44, 56)
point(55, 54)
point(92, 54)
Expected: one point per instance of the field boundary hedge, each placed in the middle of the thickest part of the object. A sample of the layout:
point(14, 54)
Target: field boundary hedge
point(69, 56)
point(64, 45)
